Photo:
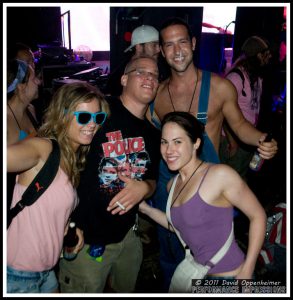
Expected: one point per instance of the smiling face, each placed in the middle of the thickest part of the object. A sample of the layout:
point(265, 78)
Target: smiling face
point(177, 148)
point(141, 79)
point(83, 134)
point(177, 47)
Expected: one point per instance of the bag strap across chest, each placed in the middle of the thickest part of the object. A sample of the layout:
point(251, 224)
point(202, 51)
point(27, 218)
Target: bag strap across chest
point(40, 183)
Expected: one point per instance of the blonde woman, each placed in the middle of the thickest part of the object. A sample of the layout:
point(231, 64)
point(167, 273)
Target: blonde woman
point(35, 236)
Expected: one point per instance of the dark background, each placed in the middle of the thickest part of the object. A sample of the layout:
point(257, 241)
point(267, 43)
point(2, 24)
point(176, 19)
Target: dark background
point(41, 25)
point(33, 25)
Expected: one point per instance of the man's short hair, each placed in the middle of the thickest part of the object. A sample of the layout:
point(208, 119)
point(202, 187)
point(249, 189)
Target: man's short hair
point(175, 21)
point(133, 60)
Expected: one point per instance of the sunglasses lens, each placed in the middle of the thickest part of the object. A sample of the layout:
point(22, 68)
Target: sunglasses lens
point(100, 118)
point(84, 118)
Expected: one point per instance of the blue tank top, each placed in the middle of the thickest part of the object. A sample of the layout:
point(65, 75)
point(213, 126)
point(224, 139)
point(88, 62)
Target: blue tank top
point(205, 228)
point(22, 135)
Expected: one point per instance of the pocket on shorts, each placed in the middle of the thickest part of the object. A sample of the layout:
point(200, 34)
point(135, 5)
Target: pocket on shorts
point(68, 284)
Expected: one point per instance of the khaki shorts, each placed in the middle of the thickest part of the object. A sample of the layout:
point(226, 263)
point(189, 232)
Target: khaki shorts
point(120, 261)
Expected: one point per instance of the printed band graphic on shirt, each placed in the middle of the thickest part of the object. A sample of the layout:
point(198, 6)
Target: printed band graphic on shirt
point(126, 156)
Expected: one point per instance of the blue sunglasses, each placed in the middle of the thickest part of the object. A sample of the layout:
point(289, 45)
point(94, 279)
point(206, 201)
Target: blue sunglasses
point(85, 117)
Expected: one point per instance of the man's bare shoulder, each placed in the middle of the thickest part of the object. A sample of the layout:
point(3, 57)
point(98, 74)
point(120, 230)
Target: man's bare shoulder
point(219, 80)
point(222, 85)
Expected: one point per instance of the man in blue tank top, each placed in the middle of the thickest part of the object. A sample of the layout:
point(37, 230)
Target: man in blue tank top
point(210, 98)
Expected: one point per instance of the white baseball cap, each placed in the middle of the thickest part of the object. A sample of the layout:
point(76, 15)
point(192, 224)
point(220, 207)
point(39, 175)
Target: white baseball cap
point(143, 34)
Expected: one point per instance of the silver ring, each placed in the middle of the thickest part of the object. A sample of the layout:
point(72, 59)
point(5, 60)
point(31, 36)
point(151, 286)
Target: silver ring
point(120, 205)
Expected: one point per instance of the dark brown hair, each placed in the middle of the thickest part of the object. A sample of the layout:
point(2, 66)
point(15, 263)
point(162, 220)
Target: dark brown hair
point(193, 128)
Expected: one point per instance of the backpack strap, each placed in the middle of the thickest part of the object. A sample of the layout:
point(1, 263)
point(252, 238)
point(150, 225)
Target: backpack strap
point(239, 72)
point(40, 183)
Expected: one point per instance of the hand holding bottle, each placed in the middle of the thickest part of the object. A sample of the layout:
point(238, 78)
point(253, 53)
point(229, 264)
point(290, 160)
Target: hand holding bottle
point(257, 161)
point(267, 148)
point(73, 241)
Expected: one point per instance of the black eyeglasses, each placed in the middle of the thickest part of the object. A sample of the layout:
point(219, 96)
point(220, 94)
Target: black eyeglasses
point(85, 117)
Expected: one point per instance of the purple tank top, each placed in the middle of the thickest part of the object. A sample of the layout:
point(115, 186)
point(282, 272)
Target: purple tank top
point(205, 229)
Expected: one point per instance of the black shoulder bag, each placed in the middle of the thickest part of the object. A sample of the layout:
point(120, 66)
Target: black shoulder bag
point(40, 183)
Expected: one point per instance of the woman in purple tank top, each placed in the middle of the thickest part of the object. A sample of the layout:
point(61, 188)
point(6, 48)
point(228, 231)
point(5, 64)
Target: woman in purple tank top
point(203, 196)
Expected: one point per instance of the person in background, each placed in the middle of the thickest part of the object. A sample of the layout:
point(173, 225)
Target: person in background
point(210, 98)
point(144, 41)
point(35, 235)
point(22, 52)
point(202, 200)
point(112, 255)
point(22, 89)
point(246, 75)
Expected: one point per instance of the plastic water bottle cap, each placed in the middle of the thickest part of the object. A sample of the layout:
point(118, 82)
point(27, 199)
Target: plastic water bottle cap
point(99, 258)
point(72, 224)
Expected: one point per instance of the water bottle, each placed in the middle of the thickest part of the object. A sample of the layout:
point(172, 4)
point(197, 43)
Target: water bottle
point(256, 161)
point(70, 241)
point(96, 252)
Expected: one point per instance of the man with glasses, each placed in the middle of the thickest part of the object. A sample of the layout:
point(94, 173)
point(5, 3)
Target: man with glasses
point(144, 41)
point(108, 215)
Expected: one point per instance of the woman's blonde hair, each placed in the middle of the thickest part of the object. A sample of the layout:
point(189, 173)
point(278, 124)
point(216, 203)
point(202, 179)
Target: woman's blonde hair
point(57, 122)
